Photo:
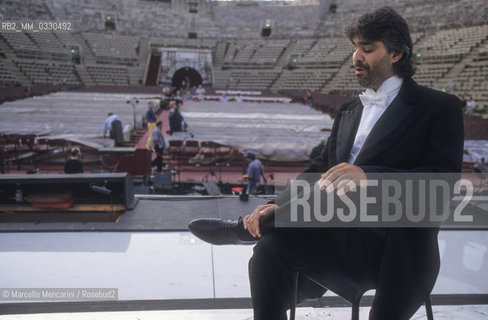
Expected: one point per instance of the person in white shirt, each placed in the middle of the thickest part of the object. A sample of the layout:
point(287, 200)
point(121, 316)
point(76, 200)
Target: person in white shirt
point(470, 106)
point(200, 91)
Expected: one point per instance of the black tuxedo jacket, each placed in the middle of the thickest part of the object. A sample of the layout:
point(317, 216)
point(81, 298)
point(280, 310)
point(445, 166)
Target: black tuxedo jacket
point(420, 131)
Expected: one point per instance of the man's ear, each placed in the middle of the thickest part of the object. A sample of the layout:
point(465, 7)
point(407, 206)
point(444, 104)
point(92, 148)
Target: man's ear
point(395, 56)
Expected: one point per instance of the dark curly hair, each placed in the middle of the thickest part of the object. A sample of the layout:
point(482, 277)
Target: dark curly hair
point(386, 25)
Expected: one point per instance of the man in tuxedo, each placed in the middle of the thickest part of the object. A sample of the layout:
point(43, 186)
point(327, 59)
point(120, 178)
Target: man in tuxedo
point(395, 126)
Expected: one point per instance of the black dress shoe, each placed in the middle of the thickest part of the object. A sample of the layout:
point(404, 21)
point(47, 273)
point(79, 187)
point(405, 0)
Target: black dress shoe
point(219, 231)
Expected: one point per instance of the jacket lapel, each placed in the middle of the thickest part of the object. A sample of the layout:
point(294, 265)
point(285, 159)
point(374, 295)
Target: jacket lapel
point(346, 132)
point(390, 120)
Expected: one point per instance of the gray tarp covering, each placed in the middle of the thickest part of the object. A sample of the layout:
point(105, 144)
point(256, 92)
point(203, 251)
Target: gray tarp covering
point(477, 151)
point(76, 117)
point(274, 131)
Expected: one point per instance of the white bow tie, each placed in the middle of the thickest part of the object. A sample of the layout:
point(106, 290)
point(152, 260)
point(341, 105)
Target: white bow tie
point(370, 98)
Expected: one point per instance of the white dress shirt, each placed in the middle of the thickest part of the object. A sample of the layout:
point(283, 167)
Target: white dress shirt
point(372, 111)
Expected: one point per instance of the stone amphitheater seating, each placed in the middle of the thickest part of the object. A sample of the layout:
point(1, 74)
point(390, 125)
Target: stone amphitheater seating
point(247, 21)
point(27, 10)
point(451, 37)
point(40, 45)
point(269, 52)
point(21, 44)
point(7, 78)
point(48, 42)
point(328, 52)
point(306, 79)
point(302, 47)
point(451, 45)
point(421, 15)
point(231, 20)
point(251, 79)
point(157, 42)
point(255, 52)
point(472, 81)
point(109, 75)
point(47, 72)
point(112, 48)
point(428, 74)
point(483, 52)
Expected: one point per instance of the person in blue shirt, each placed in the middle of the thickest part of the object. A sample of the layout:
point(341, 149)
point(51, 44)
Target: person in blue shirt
point(176, 121)
point(254, 171)
point(158, 145)
point(151, 123)
point(107, 126)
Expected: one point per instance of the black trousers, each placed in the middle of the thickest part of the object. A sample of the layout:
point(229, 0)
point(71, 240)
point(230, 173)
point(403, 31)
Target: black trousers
point(158, 161)
point(282, 252)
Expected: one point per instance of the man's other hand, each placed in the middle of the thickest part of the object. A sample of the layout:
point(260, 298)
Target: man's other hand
point(342, 178)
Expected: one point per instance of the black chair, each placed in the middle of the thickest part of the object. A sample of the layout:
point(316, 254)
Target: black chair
point(344, 285)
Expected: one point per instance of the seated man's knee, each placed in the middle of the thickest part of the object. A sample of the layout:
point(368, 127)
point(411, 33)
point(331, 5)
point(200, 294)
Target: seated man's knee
point(269, 248)
point(269, 242)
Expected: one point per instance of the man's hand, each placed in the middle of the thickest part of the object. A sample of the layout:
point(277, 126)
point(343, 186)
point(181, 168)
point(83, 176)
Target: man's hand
point(251, 221)
point(342, 177)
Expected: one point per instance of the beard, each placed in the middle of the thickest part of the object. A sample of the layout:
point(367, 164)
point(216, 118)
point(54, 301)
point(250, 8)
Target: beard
point(374, 75)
